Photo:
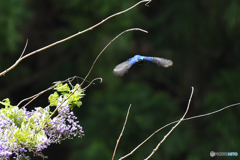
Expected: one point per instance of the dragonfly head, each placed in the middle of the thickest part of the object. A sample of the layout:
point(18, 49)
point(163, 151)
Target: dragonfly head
point(138, 58)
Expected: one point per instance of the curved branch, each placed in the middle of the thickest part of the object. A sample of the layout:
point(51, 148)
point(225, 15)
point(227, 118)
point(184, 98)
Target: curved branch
point(92, 82)
point(154, 150)
point(132, 29)
point(74, 35)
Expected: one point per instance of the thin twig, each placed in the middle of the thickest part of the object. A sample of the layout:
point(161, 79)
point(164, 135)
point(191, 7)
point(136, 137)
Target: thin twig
point(121, 132)
point(154, 150)
point(148, 3)
point(74, 35)
point(202, 115)
point(132, 29)
point(24, 49)
point(35, 96)
point(92, 82)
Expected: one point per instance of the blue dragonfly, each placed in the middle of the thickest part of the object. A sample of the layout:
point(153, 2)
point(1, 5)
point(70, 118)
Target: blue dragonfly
point(123, 67)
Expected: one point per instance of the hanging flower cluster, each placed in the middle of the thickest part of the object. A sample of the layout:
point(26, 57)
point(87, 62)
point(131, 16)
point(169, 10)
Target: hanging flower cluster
point(32, 131)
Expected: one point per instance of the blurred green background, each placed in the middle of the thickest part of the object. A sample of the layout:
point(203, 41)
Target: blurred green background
point(201, 37)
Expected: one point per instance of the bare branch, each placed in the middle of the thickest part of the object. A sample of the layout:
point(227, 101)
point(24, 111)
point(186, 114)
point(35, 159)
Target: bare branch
point(40, 93)
point(121, 132)
point(74, 35)
point(32, 98)
point(179, 121)
point(154, 150)
point(24, 49)
point(148, 3)
point(92, 82)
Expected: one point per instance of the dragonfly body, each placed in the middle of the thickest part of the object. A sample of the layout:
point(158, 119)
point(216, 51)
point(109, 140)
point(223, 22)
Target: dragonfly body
point(123, 67)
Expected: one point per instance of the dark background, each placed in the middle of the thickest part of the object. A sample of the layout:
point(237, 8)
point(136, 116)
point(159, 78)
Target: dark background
point(201, 37)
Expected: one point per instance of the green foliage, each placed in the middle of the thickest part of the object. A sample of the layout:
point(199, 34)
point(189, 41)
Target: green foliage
point(5, 102)
point(72, 95)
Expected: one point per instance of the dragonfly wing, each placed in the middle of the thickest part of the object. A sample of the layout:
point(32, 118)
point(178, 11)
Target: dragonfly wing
point(122, 68)
point(162, 62)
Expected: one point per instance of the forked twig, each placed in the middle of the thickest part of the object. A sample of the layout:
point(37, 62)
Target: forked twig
point(74, 35)
point(179, 121)
point(121, 132)
point(35, 96)
point(154, 150)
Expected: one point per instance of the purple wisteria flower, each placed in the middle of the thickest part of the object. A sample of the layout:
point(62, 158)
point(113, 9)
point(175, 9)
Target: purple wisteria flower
point(22, 130)
point(64, 124)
